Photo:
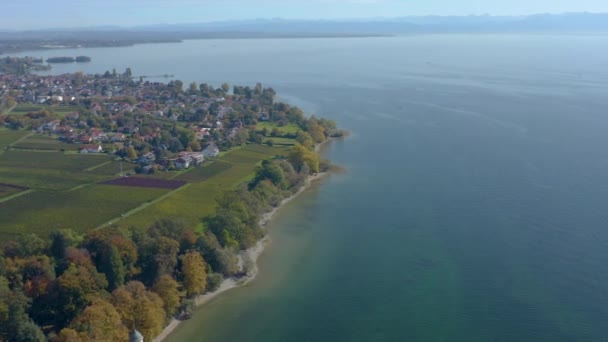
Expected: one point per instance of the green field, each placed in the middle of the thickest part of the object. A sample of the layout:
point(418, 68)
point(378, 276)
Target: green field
point(203, 173)
point(280, 141)
point(49, 170)
point(44, 143)
point(66, 194)
point(8, 137)
point(198, 200)
point(291, 128)
point(51, 160)
point(41, 212)
point(60, 110)
point(7, 190)
point(111, 168)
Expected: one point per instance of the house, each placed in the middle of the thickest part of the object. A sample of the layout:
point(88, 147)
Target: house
point(196, 158)
point(135, 336)
point(147, 169)
point(118, 137)
point(183, 162)
point(147, 159)
point(211, 151)
point(85, 139)
point(91, 149)
point(263, 117)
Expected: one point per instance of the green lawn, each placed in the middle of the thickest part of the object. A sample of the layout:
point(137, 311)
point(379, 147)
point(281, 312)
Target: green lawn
point(51, 160)
point(45, 143)
point(8, 137)
point(26, 108)
point(205, 172)
point(78, 202)
point(60, 110)
point(41, 212)
point(7, 190)
point(112, 168)
point(291, 128)
point(198, 200)
point(280, 141)
point(46, 179)
point(50, 170)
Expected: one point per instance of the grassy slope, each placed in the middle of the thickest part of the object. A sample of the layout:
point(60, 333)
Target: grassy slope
point(8, 137)
point(291, 128)
point(83, 209)
point(198, 200)
point(87, 206)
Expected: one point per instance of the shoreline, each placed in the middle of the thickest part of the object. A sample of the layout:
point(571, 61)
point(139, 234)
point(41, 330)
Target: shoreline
point(252, 254)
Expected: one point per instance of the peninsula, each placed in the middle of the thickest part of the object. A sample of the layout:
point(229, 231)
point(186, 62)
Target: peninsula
point(118, 193)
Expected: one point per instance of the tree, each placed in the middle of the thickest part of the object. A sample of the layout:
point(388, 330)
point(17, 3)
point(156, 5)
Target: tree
point(225, 88)
point(114, 268)
point(77, 287)
point(179, 86)
point(29, 245)
point(28, 331)
point(131, 153)
point(305, 139)
point(271, 171)
point(14, 321)
point(317, 132)
point(61, 240)
point(139, 308)
point(195, 145)
point(167, 288)
point(128, 73)
point(67, 335)
point(193, 88)
point(300, 156)
point(194, 271)
point(100, 322)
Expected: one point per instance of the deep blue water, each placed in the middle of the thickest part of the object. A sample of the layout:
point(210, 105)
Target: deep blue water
point(474, 206)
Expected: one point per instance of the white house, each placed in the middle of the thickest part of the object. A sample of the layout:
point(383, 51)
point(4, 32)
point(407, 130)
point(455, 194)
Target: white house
point(183, 162)
point(91, 149)
point(211, 151)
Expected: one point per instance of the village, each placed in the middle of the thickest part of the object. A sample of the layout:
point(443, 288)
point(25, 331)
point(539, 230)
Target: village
point(159, 126)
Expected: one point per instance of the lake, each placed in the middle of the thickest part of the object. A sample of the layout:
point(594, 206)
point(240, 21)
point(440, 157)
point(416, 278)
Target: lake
point(475, 202)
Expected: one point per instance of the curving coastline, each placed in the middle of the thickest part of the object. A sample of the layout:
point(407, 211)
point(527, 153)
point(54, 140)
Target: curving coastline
point(252, 254)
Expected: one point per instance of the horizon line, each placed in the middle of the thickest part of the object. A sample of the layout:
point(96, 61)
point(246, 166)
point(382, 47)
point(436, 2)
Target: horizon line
point(115, 26)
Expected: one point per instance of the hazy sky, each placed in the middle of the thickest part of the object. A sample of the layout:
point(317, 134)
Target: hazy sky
point(25, 14)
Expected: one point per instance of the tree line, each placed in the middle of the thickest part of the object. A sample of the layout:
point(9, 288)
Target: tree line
point(99, 285)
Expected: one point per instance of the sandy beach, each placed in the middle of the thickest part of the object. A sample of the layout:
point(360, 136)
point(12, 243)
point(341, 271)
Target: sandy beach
point(252, 254)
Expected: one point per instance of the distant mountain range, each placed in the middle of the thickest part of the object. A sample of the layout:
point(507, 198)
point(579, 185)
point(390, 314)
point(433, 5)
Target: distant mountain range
point(14, 41)
point(374, 26)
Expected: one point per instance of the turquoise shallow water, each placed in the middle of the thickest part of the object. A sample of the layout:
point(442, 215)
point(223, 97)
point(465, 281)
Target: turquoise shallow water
point(474, 203)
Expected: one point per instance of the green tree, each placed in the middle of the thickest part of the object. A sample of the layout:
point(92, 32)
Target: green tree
point(193, 89)
point(67, 335)
point(77, 287)
point(61, 240)
point(194, 271)
point(300, 156)
point(225, 88)
point(114, 268)
point(131, 153)
point(139, 308)
point(168, 289)
point(29, 245)
point(195, 145)
point(305, 139)
point(28, 331)
point(100, 322)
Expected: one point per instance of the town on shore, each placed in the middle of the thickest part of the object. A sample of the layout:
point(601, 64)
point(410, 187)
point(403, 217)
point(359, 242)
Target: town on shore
point(161, 126)
point(212, 163)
